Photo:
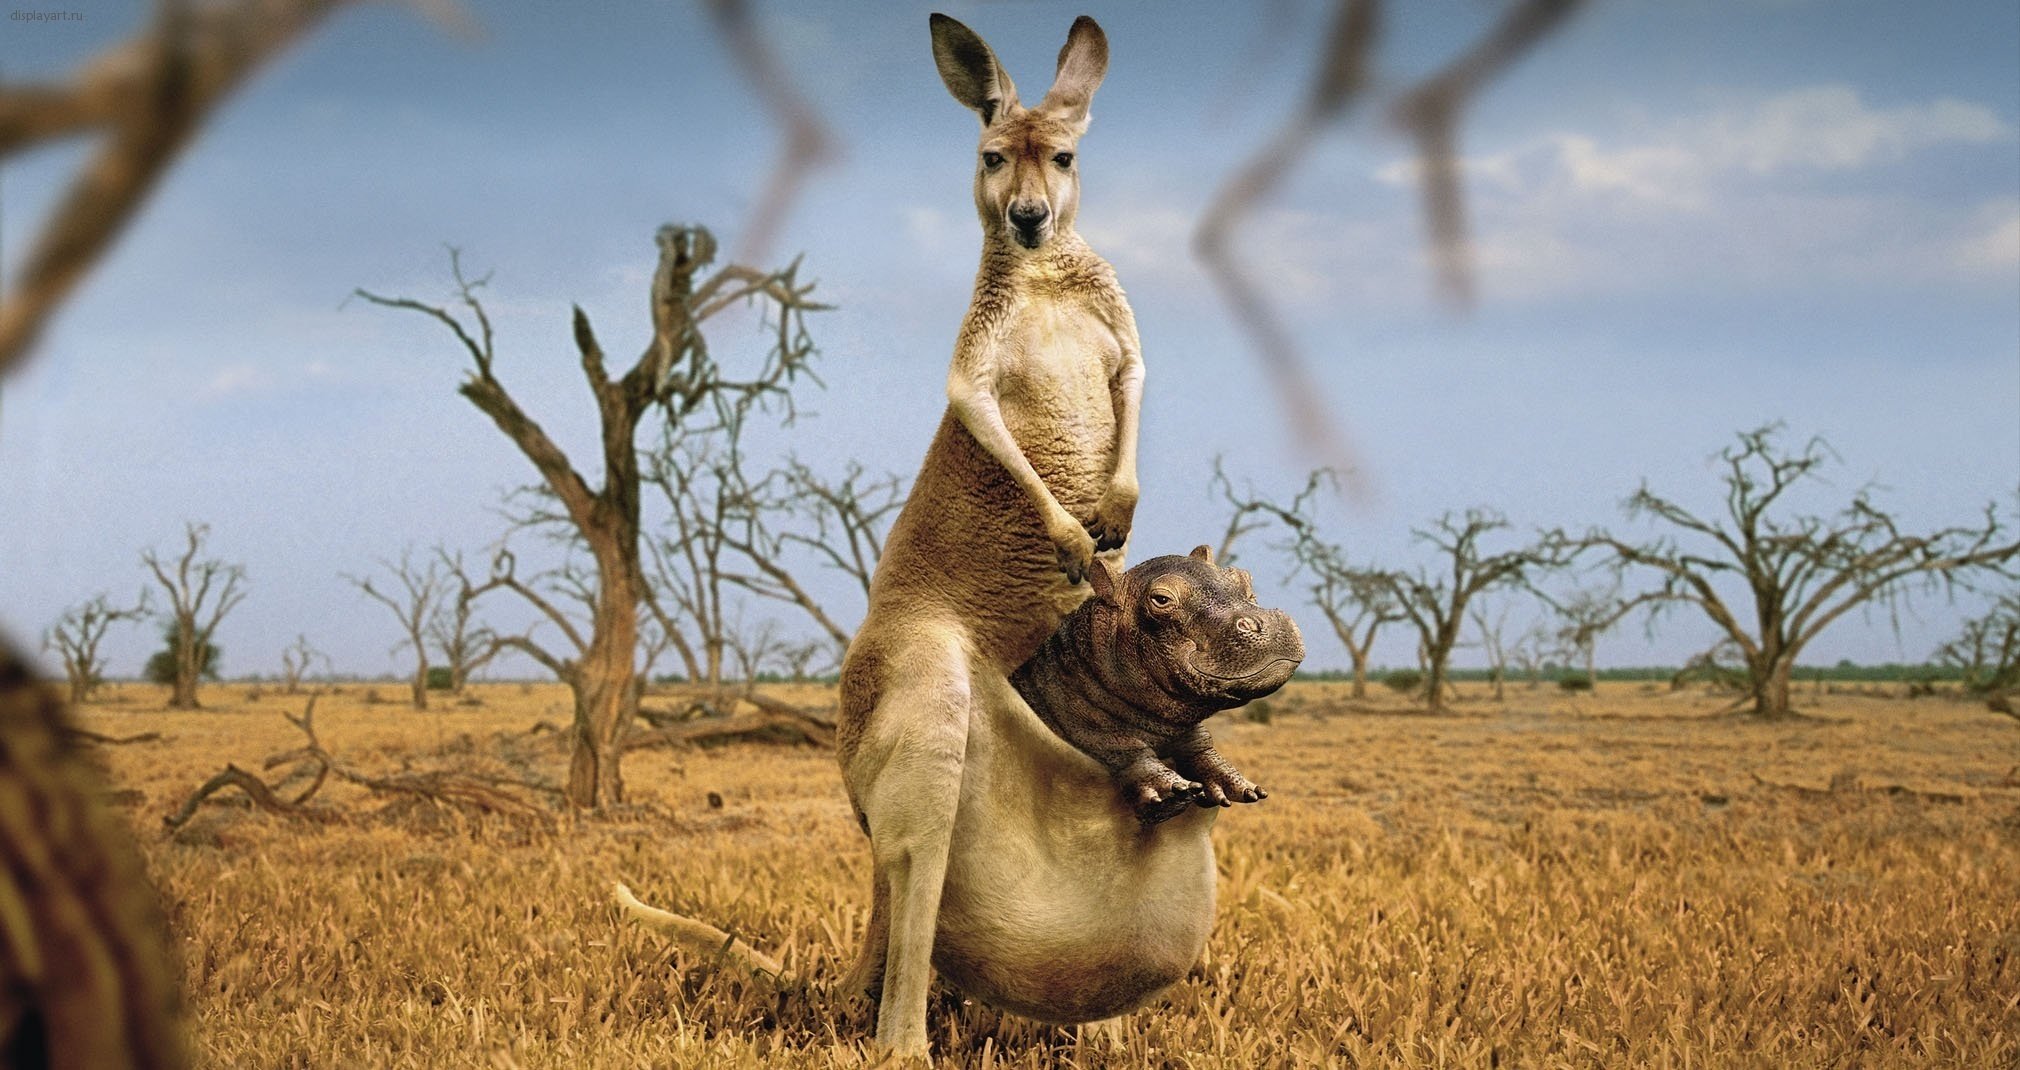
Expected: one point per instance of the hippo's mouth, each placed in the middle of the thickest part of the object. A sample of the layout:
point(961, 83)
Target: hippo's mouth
point(1244, 677)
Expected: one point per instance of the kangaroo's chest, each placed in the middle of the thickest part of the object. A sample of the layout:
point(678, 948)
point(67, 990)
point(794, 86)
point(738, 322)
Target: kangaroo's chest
point(1057, 360)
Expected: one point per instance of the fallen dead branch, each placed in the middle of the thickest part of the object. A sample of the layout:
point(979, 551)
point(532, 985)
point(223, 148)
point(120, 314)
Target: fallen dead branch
point(772, 720)
point(483, 792)
point(262, 796)
point(86, 735)
point(705, 940)
point(1847, 783)
point(755, 727)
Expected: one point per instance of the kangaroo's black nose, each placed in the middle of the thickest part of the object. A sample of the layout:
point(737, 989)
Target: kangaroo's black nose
point(1028, 216)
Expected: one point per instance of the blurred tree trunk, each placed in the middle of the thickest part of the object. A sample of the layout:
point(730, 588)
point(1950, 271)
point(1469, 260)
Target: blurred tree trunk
point(85, 976)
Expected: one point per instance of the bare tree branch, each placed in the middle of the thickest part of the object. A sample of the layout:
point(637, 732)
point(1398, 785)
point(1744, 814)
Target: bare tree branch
point(147, 96)
point(807, 143)
point(1800, 573)
point(76, 636)
point(414, 605)
point(192, 611)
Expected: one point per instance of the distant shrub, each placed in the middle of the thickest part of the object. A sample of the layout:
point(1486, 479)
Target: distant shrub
point(1404, 681)
point(160, 667)
point(1257, 712)
point(1575, 682)
point(440, 678)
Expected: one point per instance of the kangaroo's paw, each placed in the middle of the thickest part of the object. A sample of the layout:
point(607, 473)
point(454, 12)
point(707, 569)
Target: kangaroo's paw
point(1113, 517)
point(1076, 552)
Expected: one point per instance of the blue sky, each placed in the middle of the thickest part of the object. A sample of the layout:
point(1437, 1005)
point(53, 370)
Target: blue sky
point(1692, 218)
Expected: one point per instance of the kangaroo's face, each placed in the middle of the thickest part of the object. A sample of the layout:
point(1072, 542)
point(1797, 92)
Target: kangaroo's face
point(1027, 180)
point(1027, 177)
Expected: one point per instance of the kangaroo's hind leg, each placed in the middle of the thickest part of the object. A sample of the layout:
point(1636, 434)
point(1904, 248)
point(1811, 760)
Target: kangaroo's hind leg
point(866, 977)
point(906, 776)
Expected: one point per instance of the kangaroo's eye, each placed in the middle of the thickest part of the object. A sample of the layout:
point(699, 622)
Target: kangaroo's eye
point(992, 160)
point(1063, 159)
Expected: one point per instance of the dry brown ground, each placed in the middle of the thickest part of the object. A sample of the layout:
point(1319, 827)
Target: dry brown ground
point(1554, 881)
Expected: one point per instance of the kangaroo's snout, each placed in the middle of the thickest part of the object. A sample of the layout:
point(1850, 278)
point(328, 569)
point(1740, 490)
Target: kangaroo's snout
point(1028, 219)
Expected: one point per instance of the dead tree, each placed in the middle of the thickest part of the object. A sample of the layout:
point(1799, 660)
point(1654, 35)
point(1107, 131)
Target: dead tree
point(1435, 600)
point(1356, 601)
point(1800, 572)
point(200, 593)
point(839, 524)
point(414, 604)
point(1249, 511)
point(1986, 651)
point(753, 647)
point(676, 373)
point(703, 496)
point(76, 637)
point(465, 644)
point(1585, 615)
point(296, 661)
point(1533, 652)
point(1491, 627)
point(799, 659)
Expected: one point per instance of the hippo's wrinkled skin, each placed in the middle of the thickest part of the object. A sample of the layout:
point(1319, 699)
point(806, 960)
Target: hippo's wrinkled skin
point(1130, 675)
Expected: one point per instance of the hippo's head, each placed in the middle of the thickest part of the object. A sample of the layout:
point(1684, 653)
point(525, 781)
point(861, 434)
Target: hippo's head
point(1192, 630)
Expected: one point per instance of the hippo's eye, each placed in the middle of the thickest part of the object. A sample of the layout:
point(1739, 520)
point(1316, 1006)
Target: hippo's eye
point(992, 160)
point(1160, 600)
point(1063, 159)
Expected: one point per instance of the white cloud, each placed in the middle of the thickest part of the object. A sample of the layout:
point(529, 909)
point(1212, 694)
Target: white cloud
point(1733, 195)
point(1145, 237)
point(1828, 128)
point(237, 379)
point(1995, 245)
point(1682, 164)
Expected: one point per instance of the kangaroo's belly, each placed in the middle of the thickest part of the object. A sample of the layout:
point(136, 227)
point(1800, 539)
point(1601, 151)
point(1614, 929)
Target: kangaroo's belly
point(1058, 904)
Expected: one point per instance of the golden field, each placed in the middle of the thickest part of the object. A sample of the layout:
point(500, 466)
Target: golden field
point(1616, 879)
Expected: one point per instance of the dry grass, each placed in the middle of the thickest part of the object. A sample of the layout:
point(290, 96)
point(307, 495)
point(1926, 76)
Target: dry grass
point(1590, 881)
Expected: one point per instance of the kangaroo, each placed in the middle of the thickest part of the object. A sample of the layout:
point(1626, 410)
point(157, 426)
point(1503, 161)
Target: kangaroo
point(1031, 473)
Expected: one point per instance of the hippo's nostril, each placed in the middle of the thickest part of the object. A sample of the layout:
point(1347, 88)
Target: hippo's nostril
point(1247, 625)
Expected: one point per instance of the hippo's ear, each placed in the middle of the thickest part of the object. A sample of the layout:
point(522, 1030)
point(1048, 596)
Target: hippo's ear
point(1203, 552)
point(1102, 580)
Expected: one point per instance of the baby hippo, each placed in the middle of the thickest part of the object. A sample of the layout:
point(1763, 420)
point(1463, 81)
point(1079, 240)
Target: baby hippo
point(1130, 675)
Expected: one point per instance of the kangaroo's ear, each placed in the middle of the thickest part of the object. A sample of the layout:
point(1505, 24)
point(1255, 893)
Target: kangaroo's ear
point(971, 71)
point(1102, 580)
point(1203, 552)
point(1082, 63)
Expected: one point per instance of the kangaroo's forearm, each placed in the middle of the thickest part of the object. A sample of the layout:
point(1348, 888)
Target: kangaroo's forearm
point(977, 409)
point(1126, 393)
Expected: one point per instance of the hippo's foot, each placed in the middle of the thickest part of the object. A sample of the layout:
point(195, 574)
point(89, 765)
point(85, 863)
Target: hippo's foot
point(1159, 793)
point(1225, 787)
point(1221, 784)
